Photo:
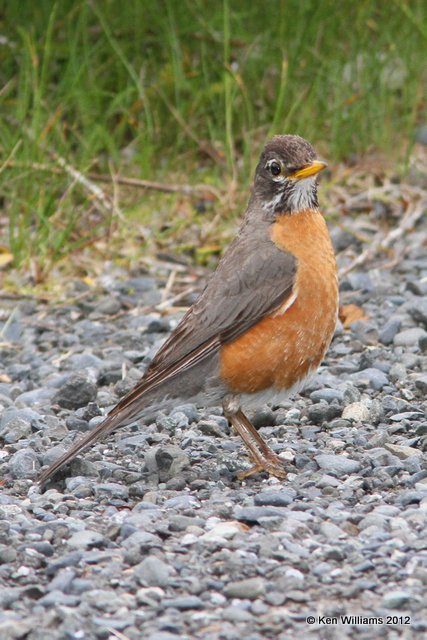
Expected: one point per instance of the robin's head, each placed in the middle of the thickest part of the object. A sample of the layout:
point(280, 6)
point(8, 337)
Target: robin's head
point(285, 178)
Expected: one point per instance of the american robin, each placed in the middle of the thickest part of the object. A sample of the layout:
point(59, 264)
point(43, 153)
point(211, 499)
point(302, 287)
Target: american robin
point(265, 319)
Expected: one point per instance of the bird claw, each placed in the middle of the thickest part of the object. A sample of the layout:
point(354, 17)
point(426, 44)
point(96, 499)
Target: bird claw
point(272, 467)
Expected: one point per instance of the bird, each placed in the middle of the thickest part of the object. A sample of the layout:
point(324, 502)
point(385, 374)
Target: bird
point(262, 324)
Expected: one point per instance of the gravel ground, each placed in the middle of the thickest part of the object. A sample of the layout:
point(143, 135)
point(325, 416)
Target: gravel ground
point(151, 536)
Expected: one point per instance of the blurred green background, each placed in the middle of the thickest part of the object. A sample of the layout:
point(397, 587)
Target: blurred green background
point(187, 91)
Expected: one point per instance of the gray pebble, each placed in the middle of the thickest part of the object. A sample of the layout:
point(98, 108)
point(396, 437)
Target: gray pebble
point(370, 377)
point(190, 410)
point(421, 382)
point(86, 539)
point(112, 490)
point(418, 311)
point(162, 635)
point(166, 462)
point(327, 395)
point(275, 498)
point(409, 337)
point(236, 614)
point(24, 464)
point(36, 420)
point(7, 554)
point(389, 330)
point(337, 465)
point(109, 306)
point(322, 412)
point(183, 603)
point(397, 599)
point(357, 411)
point(58, 599)
point(263, 417)
point(15, 429)
point(250, 588)
point(255, 514)
point(153, 572)
point(359, 280)
point(78, 391)
point(211, 428)
point(331, 531)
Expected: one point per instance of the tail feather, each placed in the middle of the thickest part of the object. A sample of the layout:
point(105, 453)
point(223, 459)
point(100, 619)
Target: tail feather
point(193, 374)
point(111, 422)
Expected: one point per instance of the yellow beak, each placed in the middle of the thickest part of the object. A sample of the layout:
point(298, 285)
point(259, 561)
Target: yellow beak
point(309, 170)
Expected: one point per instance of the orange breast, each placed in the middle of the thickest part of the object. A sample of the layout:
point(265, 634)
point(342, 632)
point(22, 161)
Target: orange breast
point(284, 347)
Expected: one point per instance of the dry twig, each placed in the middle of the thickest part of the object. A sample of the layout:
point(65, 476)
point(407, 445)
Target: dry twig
point(186, 189)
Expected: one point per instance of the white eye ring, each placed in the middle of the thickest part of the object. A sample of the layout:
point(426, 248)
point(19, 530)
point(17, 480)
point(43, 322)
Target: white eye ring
point(275, 168)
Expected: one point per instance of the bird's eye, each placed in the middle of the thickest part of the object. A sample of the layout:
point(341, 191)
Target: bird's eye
point(275, 168)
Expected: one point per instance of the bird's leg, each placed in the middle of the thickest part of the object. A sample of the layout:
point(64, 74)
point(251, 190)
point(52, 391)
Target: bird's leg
point(265, 459)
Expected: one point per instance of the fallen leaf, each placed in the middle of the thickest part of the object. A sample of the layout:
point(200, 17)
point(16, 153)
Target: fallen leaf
point(5, 259)
point(349, 313)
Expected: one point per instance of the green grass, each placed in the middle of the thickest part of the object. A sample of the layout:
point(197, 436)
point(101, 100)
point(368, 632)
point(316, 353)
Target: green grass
point(187, 90)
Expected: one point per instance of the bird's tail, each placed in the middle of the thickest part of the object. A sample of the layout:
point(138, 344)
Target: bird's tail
point(109, 424)
point(155, 391)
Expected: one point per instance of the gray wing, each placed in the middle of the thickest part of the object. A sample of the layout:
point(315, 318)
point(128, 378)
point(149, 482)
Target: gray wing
point(252, 279)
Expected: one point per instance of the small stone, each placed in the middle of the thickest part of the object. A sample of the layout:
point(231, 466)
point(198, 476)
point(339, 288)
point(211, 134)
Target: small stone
point(417, 286)
point(409, 337)
point(403, 452)
point(397, 599)
point(52, 454)
point(263, 417)
point(236, 615)
point(331, 531)
point(225, 530)
point(275, 498)
point(13, 629)
point(337, 465)
point(16, 429)
point(149, 595)
point(397, 372)
point(421, 383)
point(370, 377)
point(327, 395)
point(56, 598)
point(255, 514)
point(24, 464)
point(109, 306)
point(360, 280)
point(79, 389)
point(250, 588)
point(322, 412)
point(183, 603)
point(389, 330)
point(68, 560)
point(153, 572)
point(190, 410)
point(327, 481)
point(365, 331)
point(419, 312)
point(357, 411)
point(86, 538)
point(210, 428)
point(7, 554)
point(112, 490)
point(167, 461)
